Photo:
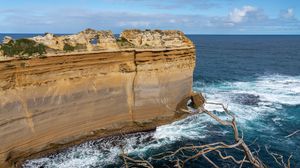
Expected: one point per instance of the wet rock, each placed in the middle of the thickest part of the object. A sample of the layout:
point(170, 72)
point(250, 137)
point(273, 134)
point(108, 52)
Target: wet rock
point(246, 99)
point(197, 100)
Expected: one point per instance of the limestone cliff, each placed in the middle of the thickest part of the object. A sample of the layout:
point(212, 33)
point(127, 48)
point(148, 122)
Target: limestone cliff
point(130, 84)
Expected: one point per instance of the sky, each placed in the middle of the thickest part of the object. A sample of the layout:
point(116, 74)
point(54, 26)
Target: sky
point(190, 16)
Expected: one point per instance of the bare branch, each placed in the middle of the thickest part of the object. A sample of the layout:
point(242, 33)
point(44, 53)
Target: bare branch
point(189, 152)
point(232, 158)
point(295, 132)
point(211, 162)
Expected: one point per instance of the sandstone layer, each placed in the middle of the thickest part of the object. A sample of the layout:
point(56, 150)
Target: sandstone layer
point(51, 102)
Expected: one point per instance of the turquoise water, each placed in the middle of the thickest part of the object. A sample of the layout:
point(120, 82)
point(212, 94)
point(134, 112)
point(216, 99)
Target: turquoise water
point(258, 77)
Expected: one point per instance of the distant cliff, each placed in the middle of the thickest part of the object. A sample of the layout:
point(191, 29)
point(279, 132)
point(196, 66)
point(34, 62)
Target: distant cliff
point(91, 85)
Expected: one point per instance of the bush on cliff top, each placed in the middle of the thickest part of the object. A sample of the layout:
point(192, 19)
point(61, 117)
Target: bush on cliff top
point(22, 48)
point(68, 48)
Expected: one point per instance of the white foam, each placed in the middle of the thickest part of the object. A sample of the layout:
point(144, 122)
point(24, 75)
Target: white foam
point(273, 91)
point(190, 128)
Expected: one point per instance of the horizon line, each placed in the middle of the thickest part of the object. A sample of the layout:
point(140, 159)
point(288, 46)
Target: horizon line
point(219, 34)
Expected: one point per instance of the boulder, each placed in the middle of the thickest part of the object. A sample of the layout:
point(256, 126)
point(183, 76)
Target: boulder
point(197, 100)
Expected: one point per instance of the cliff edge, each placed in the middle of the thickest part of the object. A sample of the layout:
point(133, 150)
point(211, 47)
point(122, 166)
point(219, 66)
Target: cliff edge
point(89, 85)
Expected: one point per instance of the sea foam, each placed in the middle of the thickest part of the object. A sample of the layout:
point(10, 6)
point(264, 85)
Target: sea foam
point(273, 91)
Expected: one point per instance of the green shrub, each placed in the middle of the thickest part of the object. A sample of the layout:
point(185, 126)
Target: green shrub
point(68, 48)
point(41, 49)
point(8, 49)
point(23, 48)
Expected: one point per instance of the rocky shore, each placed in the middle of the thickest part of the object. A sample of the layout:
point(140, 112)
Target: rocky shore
point(90, 85)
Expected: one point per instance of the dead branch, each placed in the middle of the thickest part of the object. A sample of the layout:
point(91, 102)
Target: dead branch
point(232, 158)
point(253, 160)
point(130, 162)
point(279, 158)
point(181, 157)
point(244, 159)
point(211, 162)
point(289, 161)
point(295, 132)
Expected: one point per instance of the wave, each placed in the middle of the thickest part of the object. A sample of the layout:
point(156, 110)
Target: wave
point(249, 101)
point(252, 99)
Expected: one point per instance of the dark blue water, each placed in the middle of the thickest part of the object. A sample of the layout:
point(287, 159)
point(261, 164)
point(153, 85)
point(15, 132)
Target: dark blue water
point(258, 77)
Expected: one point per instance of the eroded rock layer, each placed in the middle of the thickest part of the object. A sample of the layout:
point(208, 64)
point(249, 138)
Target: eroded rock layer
point(48, 103)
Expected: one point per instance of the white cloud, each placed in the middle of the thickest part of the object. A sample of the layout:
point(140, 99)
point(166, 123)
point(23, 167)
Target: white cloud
point(238, 15)
point(247, 19)
point(172, 21)
point(287, 14)
point(135, 23)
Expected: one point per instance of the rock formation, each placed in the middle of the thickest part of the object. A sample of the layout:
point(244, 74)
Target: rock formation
point(88, 39)
point(156, 38)
point(52, 102)
point(7, 39)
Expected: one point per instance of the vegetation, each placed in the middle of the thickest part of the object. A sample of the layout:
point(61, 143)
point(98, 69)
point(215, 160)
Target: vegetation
point(122, 42)
point(22, 48)
point(68, 48)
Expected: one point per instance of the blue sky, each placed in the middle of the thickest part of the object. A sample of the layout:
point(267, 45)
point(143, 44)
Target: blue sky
point(190, 16)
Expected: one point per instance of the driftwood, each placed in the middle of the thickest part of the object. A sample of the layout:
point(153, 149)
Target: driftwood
point(181, 156)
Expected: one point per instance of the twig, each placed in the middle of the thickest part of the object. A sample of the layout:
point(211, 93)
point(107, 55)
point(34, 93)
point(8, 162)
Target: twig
point(211, 162)
point(242, 162)
point(295, 132)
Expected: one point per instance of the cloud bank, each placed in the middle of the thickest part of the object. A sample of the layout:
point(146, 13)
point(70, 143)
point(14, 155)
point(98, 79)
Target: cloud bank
point(246, 19)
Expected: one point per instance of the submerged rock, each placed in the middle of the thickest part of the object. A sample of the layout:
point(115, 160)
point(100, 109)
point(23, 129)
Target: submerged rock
point(246, 99)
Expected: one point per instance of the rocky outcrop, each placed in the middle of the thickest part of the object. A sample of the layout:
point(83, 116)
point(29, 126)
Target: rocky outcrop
point(89, 40)
point(51, 102)
point(7, 39)
point(156, 38)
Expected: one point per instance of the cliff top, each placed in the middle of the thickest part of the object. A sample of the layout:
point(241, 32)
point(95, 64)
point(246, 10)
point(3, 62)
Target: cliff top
point(91, 40)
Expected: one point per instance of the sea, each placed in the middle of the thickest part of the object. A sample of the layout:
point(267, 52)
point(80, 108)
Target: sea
point(256, 76)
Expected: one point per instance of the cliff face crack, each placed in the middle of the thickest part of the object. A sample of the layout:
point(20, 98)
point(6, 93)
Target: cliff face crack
point(130, 89)
point(134, 80)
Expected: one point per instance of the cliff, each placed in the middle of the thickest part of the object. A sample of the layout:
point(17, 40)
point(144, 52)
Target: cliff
point(113, 86)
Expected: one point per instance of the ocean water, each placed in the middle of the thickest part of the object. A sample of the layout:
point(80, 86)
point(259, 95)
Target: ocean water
point(257, 77)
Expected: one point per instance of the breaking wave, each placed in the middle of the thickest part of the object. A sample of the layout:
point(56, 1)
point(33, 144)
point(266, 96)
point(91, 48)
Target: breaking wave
point(252, 99)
